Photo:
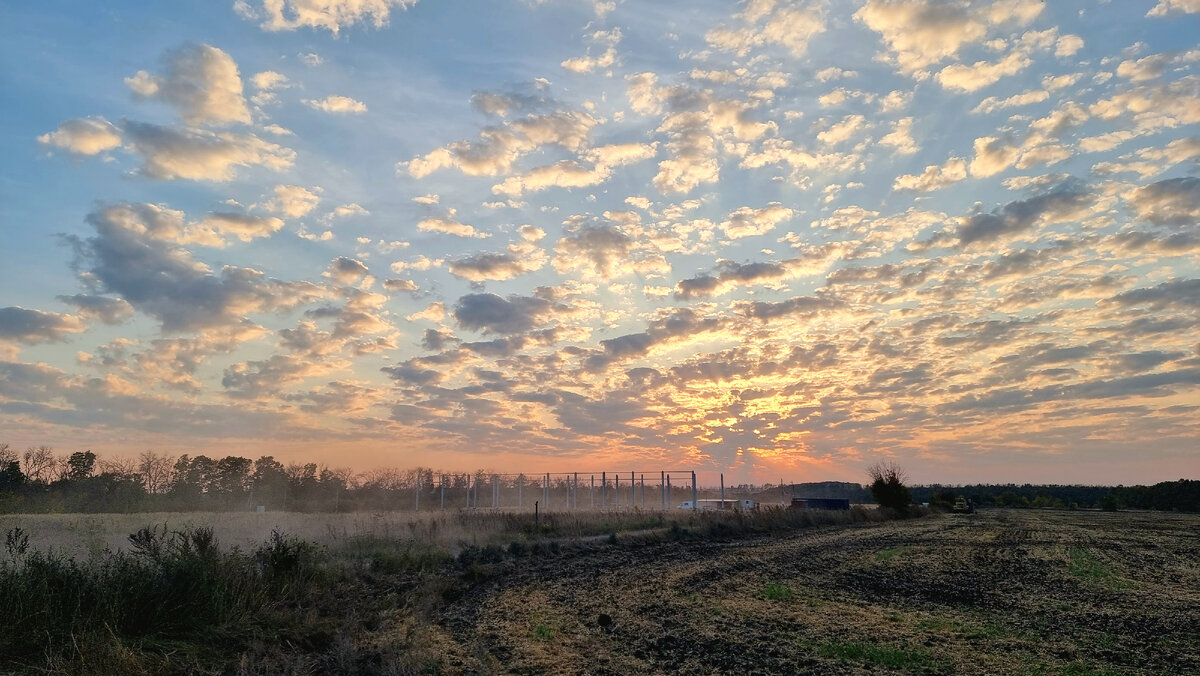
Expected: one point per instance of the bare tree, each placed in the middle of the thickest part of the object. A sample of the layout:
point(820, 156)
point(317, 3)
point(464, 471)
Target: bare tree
point(40, 464)
point(126, 468)
point(7, 455)
point(155, 469)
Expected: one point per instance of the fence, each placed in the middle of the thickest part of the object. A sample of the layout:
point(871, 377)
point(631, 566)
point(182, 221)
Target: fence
point(557, 490)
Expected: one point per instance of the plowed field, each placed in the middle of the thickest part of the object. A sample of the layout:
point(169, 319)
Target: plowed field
point(999, 592)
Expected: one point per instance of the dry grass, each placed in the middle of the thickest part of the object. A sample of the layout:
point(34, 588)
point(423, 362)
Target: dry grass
point(82, 535)
point(776, 592)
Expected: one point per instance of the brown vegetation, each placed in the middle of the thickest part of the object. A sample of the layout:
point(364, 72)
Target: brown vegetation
point(777, 592)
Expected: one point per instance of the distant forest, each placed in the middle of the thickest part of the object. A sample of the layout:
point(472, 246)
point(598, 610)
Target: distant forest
point(1182, 495)
point(39, 480)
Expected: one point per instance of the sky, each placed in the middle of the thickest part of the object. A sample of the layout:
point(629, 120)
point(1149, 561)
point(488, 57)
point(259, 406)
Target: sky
point(770, 239)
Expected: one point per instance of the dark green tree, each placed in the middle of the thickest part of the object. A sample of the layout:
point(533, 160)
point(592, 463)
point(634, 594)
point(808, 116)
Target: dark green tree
point(80, 465)
point(11, 477)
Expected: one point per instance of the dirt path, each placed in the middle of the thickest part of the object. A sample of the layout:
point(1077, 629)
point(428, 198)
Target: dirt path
point(999, 592)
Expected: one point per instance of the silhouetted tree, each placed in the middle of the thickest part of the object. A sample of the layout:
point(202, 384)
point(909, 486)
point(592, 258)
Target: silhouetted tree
point(269, 482)
point(40, 464)
point(155, 470)
point(887, 486)
point(11, 477)
point(80, 465)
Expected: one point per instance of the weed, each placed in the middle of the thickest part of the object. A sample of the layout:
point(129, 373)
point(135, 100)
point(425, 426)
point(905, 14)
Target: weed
point(873, 653)
point(778, 592)
point(16, 542)
point(1085, 565)
point(887, 554)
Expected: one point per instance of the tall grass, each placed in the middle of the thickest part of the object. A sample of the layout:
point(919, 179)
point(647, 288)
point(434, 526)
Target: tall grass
point(170, 585)
point(177, 600)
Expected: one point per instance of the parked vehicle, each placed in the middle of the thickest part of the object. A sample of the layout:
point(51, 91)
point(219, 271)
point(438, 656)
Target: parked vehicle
point(963, 506)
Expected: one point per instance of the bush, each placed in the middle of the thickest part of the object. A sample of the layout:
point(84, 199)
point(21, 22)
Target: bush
point(887, 486)
point(171, 585)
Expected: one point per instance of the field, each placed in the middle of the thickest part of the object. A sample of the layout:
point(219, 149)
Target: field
point(1002, 591)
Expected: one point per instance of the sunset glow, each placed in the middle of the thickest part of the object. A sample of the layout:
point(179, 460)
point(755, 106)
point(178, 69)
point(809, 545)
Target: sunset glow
point(770, 239)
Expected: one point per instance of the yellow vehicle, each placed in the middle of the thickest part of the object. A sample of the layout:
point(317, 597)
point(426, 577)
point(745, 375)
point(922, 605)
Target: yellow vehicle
point(963, 506)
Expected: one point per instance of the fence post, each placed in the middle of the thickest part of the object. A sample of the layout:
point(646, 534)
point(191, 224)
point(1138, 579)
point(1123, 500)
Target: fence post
point(468, 491)
point(592, 493)
point(603, 490)
point(575, 493)
point(669, 491)
point(722, 490)
point(694, 505)
point(616, 490)
point(662, 489)
point(643, 491)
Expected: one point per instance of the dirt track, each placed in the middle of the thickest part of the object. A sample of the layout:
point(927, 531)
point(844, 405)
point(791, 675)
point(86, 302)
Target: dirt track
point(999, 592)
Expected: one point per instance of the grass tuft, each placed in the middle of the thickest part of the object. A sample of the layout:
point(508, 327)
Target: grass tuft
point(778, 592)
point(880, 655)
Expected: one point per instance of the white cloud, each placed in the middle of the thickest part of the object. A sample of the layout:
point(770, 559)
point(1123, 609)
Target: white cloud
point(923, 33)
point(901, 138)
point(1068, 45)
point(992, 103)
point(842, 131)
point(982, 73)
point(790, 27)
point(1167, 7)
point(201, 155)
point(86, 136)
point(749, 222)
point(572, 174)
point(200, 81)
point(293, 201)
point(244, 227)
point(934, 177)
point(586, 64)
point(449, 226)
point(269, 79)
point(337, 104)
point(332, 15)
point(500, 147)
point(992, 156)
point(520, 258)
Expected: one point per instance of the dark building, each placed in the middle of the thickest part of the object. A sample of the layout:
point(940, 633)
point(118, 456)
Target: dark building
point(820, 503)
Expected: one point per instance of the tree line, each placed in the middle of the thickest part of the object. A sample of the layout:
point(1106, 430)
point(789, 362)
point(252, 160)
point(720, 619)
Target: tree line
point(40, 480)
point(1182, 495)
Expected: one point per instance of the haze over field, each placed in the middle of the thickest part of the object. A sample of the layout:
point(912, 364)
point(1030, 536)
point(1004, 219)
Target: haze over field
point(771, 239)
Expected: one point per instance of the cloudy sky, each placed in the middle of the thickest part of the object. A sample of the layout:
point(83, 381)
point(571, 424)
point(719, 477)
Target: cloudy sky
point(769, 238)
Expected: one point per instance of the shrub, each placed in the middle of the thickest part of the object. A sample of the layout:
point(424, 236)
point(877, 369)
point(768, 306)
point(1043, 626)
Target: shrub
point(887, 486)
point(172, 584)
